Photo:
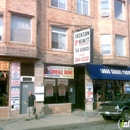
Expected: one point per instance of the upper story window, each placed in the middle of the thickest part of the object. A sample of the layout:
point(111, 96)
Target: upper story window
point(119, 9)
point(1, 27)
point(59, 3)
point(120, 46)
point(105, 44)
point(59, 40)
point(82, 7)
point(20, 29)
point(104, 8)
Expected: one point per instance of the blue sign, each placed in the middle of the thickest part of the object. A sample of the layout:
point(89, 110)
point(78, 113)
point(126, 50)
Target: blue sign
point(108, 72)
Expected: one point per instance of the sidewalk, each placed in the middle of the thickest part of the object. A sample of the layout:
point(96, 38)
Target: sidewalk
point(46, 120)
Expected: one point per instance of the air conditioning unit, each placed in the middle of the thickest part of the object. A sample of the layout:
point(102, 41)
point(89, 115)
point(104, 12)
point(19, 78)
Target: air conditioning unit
point(105, 14)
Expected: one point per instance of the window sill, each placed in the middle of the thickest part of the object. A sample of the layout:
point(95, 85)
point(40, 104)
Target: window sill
point(20, 43)
point(84, 15)
point(106, 54)
point(120, 20)
point(59, 8)
point(121, 56)
point(58, 50)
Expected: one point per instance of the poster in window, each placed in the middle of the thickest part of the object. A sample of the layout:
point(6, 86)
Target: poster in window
point(89, 92)
point(49, 90)
point(62, 83)
point(49, 83)
point(62, 89)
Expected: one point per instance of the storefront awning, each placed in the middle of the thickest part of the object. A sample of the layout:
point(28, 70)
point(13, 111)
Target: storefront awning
point(108, 72)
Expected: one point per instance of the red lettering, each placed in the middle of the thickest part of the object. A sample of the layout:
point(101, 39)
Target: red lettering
point(68, 72)
point(56, 72)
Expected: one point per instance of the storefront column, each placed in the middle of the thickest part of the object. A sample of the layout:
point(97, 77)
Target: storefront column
point(39, 76)
point(88, 102)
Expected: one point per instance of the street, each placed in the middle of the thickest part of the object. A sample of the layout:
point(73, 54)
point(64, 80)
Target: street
point(96, 125)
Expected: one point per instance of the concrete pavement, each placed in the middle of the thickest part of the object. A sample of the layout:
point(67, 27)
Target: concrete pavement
point(47, 120)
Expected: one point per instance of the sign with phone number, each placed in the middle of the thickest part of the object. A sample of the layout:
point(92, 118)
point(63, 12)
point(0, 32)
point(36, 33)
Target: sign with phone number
point(81, 59)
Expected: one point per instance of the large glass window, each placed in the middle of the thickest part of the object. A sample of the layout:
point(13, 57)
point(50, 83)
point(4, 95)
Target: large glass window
point(59, 3)
point(20, 29)
point(59, 38)
point(56, 91)
point(1, 27)
point(119, 6)
point(106, 44)
point(4, 89)
point(82, 7)
point(120, 46)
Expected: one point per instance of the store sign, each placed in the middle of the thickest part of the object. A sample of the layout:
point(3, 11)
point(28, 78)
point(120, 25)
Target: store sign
point(82, 46)
point(59, 72)
point(4, 65)
point(97, 71)
point(15, 85)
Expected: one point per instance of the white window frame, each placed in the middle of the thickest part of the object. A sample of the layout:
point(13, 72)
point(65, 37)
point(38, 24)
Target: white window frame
point(107, 40)
point(2, 28)
point(83, 8)
point(105, 12)
point(123, 16)
point(58, 32)
point(58, 5)
point(124, 46)
point(13, 41)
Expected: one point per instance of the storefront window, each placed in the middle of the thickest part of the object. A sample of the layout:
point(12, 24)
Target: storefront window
point(3, 88)
point(107, 90)
point(56, 91)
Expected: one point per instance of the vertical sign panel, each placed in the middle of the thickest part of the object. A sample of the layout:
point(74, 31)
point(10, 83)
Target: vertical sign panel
point(82, 40)
point(15, 85)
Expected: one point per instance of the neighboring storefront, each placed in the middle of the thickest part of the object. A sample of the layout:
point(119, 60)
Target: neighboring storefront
point(108, 81)
point(16, 78)
point(4, 87)
point(9, 87)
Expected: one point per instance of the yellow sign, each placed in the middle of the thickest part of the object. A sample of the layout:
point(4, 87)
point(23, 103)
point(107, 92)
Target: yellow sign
point(4, 65)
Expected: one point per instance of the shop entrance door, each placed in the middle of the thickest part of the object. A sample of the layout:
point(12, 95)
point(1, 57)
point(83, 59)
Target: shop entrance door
point(25, 87)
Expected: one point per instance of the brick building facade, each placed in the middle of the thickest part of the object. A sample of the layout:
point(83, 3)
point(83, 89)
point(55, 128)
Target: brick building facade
point(39, 35)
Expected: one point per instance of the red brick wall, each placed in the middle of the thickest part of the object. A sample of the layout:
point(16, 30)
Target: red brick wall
point(69, 18)
point(21, 8)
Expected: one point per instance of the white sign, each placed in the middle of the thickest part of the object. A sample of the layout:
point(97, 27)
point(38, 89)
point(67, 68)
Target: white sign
point(82, 46)
point(39, 97)
point(39, 89)
point(15, 85)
